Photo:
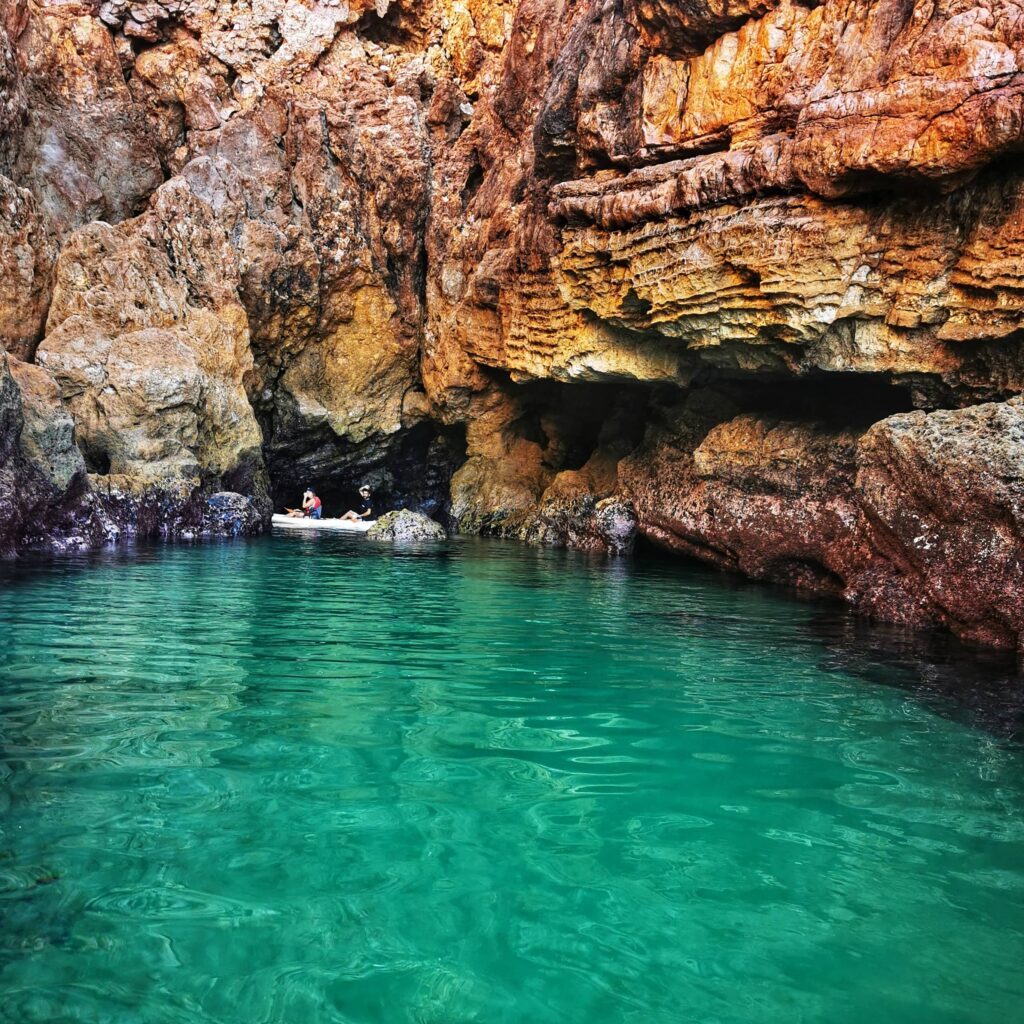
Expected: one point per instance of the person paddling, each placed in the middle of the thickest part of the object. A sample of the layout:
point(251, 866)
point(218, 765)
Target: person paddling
point(364, 506)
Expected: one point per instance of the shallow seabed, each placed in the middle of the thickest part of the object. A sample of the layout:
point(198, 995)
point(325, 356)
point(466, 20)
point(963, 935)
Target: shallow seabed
point(313, 779)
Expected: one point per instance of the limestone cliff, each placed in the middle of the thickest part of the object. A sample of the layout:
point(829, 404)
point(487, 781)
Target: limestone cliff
point(744, 279)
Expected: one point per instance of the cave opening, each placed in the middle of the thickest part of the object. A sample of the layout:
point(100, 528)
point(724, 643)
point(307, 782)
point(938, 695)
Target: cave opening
point(577, 426)
point(410, 470)
point(474, 179)
point(835, 400)
point(990, 368)
point(274, 39)
point(395, 28)
point(572, 422)
point(97, 461)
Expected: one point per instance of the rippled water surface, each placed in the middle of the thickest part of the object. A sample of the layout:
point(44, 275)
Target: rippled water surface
point(307, 780)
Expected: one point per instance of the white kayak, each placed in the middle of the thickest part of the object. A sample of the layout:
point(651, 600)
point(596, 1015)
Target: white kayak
point(337, 525)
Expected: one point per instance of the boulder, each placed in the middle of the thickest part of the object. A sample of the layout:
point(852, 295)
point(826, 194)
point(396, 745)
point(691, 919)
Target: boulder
point(406, 526)
point(228, 514)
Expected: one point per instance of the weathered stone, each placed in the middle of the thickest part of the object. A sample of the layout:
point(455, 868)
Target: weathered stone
point(769, 498)
point(83, 147)
point(27, 254)
point(687, 260)
point(686, 28)
point(11, 469)
point(797, 284)
point(608, 526)
point(918, 520)
point(406, 526)
point(150, 346)
point(945, 492)
point(231, 515)
point(48, 431)
point(44, 499)
point(328, 283)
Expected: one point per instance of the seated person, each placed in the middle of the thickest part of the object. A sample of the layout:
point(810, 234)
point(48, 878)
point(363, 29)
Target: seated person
point(364, 507)
point(312, 507)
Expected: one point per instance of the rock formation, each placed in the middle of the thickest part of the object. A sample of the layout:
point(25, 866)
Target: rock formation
point(405, 526)
point(42, 473)
point(745, 280)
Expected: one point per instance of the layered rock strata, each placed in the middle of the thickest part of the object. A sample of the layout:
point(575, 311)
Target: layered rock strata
point(752, 211)
point(745, 280)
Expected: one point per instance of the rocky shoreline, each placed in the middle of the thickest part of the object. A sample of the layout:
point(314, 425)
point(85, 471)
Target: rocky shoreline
point(747, 283)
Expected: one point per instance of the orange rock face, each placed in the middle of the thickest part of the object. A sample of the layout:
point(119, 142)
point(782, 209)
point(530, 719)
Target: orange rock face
point(26, 264)
point(745, 278)
point(809, 213)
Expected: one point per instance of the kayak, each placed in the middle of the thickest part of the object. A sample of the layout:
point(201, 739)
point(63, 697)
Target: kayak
point(337, 525)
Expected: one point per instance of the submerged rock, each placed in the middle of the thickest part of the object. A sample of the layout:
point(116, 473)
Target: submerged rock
point(608, 526)
point(406, 526)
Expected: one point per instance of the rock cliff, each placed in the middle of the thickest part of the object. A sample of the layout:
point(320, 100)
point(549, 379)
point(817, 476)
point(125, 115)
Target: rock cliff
point(745, 280)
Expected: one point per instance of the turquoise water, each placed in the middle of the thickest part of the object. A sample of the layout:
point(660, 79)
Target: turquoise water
point(310, 779)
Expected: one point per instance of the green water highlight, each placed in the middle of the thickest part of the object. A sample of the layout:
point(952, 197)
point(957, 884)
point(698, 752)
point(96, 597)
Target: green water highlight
point(310, 779)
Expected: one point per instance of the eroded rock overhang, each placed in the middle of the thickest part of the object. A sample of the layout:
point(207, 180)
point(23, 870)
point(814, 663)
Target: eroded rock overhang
point(790, 234)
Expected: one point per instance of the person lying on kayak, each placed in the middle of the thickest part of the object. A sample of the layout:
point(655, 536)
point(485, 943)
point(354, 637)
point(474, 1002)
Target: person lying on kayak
point(312, 507)
point(365, 506)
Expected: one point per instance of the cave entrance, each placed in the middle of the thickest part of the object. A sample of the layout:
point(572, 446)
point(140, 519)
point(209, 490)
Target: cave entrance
point(410, 470)
point(572, 422)
point(396, 28)
point(835, 400)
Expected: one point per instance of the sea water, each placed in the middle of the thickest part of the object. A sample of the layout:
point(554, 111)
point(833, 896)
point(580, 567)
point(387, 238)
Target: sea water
point(312, 779)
